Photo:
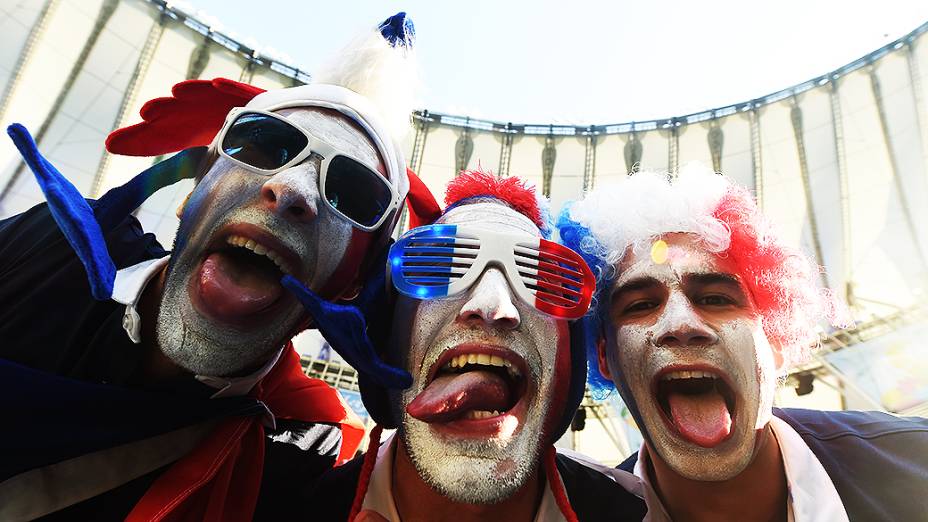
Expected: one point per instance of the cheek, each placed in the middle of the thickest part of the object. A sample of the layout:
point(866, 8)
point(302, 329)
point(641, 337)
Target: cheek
point(348, 265)
point(218, 191)
point(418, 326)
point(629, 348)
point(749, 352)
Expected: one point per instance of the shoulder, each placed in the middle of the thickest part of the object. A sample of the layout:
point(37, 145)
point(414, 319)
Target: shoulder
point(868, 425)
point(331, 497)
point(297, 455)
point(877, 462)
point(862, 440)
point(595, 493)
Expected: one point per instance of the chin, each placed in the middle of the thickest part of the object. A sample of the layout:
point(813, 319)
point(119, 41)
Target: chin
point(717, 461)
point(203, 348)
point(471, 472)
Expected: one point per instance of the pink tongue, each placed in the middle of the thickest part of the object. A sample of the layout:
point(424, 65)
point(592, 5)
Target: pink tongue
point(450, 396)
point(702, 419)
point(230, 288)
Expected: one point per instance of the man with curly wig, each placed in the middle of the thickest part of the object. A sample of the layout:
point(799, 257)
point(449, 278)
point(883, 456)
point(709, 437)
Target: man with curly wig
point(700, 308)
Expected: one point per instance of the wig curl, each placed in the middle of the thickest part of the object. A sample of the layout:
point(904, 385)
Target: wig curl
point(514, 192)
point(627, 216)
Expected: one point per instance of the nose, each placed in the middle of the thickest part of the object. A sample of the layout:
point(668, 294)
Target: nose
point(293, 193)
point(680, 326)
point(490, 302)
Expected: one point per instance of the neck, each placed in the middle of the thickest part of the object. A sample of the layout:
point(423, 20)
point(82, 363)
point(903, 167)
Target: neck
point(417, 501)
point(157, 369)
point(759, 492)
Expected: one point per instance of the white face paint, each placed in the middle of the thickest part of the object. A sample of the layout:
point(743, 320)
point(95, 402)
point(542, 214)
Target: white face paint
point(223, 309)
point(687, 351)
point(466, 458)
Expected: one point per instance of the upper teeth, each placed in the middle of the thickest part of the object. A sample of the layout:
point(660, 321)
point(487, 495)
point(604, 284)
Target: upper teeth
point(484, 359)
point(688, 374)
point(262, 250)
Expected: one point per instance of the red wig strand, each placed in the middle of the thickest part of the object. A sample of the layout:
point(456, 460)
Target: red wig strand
point(781, 280)
point(513, 191)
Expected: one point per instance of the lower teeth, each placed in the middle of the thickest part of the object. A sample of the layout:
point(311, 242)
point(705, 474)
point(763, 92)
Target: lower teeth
point(480, 414)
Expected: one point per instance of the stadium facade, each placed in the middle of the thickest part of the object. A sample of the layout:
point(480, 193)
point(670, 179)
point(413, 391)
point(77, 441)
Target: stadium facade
point(840, 162)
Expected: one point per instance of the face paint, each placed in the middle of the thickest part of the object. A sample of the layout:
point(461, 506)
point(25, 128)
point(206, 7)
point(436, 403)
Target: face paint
point(223, 308)
point(690, 358)
point(484, 367)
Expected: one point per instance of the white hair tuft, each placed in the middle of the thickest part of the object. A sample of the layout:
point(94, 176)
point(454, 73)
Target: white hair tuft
point(650, 206)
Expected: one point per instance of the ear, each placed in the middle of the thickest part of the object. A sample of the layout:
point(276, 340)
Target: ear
point(351, 293)
point(183, 204)
point(601, 358)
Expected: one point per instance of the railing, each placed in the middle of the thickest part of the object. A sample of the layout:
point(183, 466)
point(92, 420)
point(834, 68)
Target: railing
point(336, 373)
point(672, 122)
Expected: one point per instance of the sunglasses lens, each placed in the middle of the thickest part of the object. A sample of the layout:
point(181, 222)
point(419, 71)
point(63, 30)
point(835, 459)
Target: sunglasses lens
point(356, 191)
point(262, 141)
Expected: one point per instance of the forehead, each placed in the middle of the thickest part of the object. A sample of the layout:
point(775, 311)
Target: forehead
point(680, 255)
point(492, 215)
point(337, 130)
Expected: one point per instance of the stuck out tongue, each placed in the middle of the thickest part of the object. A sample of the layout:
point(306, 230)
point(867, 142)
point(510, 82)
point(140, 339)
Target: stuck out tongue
point(450, 396)
point(702, 419)
point(231, 288)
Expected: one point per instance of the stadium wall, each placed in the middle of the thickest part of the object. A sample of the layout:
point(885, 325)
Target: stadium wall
point(839, 161)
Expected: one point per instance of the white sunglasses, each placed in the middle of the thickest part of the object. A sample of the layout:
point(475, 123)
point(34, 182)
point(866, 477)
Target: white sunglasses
point(268, 143)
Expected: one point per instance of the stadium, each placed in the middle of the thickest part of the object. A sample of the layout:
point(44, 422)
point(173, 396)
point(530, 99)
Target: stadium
point(839, 162)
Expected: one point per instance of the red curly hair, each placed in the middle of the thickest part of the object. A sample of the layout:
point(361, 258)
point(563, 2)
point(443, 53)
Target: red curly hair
point(781, 279)
point(515, 192)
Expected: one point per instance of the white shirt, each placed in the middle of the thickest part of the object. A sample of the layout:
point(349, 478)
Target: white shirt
point(127, 289)
point(812, 496)
point(379, 496)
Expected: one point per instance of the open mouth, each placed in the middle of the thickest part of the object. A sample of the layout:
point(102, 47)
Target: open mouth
point(238, 279)
point(698, 404)
point(473, 388)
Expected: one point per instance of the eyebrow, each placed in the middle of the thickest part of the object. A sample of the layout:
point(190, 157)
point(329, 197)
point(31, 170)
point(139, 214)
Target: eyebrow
point(714, 278)
point(636, 283)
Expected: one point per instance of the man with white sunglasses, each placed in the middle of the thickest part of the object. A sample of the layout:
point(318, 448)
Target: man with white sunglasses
point(481, 322)
point(179, 395)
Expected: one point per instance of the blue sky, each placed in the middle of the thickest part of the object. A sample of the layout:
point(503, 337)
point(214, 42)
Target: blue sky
point(582, 61)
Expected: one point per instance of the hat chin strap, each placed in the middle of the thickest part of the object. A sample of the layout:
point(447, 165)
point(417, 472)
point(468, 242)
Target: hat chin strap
point(83, 222)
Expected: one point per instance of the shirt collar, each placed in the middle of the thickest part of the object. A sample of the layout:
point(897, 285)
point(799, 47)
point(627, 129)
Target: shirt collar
point(812, 495)
point(128, 286)
point(379, 496)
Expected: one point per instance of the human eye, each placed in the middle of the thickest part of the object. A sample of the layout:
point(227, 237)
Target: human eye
point(715, 300)
point(638, 307)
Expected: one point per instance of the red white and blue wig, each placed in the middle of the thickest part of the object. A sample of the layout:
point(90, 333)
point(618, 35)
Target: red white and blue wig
point(635, 211)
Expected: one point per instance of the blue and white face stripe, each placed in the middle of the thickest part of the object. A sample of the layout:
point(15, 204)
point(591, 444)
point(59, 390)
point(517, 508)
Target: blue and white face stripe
point(423, 263)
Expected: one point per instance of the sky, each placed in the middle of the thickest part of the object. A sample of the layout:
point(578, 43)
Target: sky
point(583, 61)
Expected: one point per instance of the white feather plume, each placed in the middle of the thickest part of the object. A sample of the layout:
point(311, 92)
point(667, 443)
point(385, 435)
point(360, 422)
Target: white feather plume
point(388, 76)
